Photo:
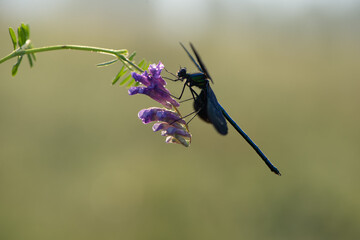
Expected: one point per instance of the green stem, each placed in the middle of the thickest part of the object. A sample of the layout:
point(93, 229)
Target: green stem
point(117, 53)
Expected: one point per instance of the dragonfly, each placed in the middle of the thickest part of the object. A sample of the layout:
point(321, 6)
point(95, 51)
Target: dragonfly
point(207, 106)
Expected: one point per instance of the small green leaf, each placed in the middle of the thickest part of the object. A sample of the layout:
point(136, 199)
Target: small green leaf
point(26, 30)
point(13, 37)
point(142, 63)
point(21, 36)
point(33, 56)
point(132, 56)
point(122, 71)
point(146, 66)
point(30, 60)
point(104, 64)
point(16, 66)
point(125, 80)
point(20, 40)
point(131, 82)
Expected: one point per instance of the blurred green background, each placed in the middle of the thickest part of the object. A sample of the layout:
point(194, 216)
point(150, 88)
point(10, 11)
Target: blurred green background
point(77, 163)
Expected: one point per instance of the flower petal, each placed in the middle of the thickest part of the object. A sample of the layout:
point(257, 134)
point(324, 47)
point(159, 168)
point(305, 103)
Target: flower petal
point(160, 114)
point(155, 71)
point(172, 131)
point(153, 85)
point(141, 78)
point(178, 140)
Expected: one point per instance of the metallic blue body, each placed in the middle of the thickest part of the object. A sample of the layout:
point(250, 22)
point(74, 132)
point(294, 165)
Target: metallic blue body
point(208, 108)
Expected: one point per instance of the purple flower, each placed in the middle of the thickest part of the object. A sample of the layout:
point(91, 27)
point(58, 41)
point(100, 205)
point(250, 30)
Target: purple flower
point(168, 129)
point(153, 85)
point(159, 114)
point(169, 122)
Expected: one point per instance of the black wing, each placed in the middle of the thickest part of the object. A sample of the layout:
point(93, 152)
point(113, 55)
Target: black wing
point(214, 112)
point(202, 65)
point(200, 106)
point(191, 57)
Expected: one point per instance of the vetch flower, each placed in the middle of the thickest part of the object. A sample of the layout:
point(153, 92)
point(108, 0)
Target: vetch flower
point(153, 85)
point(159, 114)
point(169, 122)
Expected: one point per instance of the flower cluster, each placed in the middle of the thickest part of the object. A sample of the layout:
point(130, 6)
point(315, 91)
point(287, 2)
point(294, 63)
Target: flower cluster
point(168, 121)
point(153, 85)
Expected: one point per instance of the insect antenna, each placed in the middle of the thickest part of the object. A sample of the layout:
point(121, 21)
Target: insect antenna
point(172, 75)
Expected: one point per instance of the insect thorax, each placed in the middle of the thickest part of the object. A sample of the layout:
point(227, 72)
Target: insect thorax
point(198, 79)
point(193, 79)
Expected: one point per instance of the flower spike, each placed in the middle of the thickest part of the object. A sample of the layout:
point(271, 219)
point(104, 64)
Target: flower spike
point(169, 122)
point(153, 85)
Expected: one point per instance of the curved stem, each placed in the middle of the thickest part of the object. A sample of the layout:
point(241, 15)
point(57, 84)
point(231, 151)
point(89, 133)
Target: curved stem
point(11, 55)
point(118, 53)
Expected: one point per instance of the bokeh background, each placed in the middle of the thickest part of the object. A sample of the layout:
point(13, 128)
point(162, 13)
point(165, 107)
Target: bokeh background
point(77, 163)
